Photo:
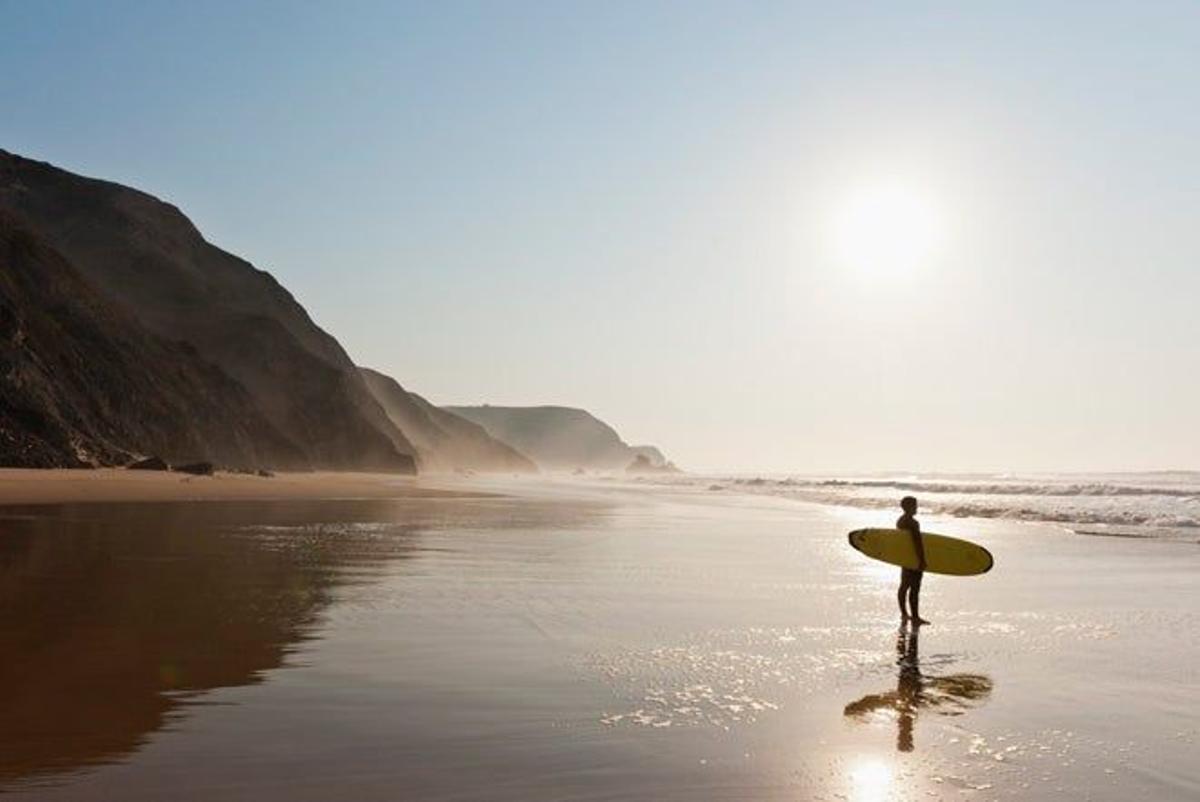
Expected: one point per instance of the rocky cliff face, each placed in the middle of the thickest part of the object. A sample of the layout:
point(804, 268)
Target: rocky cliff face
point(556, 438)
point(444, 441)
point(124, 333)
point(142, 259)
point(82, 382)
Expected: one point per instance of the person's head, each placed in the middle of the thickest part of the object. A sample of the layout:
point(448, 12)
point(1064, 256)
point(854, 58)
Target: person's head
point(909, 505)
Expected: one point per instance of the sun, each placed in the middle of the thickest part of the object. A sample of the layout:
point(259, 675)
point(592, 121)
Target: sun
point(887, 227)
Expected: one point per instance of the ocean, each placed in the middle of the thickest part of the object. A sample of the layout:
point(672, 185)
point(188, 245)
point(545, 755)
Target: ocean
point(1162, 505)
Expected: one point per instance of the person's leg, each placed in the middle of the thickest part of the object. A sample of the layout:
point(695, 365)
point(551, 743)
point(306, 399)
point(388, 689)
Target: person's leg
point(903, 594)
point(914, 597)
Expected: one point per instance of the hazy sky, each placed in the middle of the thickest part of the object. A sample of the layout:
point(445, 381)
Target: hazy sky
point(635, 208)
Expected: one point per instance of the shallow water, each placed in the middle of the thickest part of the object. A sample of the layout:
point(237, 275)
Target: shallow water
point(579, 642)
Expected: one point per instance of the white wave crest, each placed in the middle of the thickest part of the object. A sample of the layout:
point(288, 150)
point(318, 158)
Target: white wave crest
point(1146, 505)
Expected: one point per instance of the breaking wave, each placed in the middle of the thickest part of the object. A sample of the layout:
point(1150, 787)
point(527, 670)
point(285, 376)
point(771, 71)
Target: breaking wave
point(1156, 505)
point(1014, 489)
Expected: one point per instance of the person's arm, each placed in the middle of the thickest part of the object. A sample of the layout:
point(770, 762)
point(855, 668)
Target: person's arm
point(919, 545)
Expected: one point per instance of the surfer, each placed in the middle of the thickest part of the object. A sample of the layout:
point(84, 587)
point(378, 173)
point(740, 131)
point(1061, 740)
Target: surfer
point(910, 578)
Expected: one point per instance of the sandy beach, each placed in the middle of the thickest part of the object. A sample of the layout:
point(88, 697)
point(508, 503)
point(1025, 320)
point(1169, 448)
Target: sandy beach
point(548, 640)
point(18, 486)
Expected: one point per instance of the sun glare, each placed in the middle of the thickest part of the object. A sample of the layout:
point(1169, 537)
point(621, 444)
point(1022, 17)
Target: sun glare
point(887, 228)
point(871, 781)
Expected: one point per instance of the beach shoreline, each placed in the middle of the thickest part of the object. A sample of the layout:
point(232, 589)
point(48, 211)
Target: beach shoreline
point(24, 487)
point(709, 645)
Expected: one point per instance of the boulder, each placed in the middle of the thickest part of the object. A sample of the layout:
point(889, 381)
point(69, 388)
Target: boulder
point(149, 464)
point(643, 464)
point(196, 468)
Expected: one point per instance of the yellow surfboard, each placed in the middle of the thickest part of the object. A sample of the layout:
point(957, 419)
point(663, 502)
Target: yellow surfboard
point(943, 555)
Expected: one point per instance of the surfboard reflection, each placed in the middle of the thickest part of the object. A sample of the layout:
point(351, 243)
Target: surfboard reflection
point(950, 695)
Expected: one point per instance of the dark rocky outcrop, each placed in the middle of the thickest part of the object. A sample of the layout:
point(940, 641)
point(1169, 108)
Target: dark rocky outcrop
point(557, 438)
point(196, 468)
point(149, 464)
point(644, 464)
point(653, 456)
point(293, 396)
point(444, 441)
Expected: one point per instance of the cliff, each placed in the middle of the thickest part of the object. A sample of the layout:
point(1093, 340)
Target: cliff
point(82, 382)
point(124, 333)
point(556, 438)
point(142, 260)
point(444, 441)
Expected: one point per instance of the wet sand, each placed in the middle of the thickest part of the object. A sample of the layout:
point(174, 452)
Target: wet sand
point(579, 641)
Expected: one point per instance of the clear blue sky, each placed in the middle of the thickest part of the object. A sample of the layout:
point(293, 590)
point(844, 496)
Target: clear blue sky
point(624, 206)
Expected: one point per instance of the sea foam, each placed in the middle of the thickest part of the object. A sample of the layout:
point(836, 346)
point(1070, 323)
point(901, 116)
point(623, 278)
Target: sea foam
point(1154, 505)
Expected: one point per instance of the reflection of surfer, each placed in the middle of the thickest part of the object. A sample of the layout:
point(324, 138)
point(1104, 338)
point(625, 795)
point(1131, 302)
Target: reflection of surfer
point(910, 578)
point(908, 688)
point(948, 696)
point(907, 697)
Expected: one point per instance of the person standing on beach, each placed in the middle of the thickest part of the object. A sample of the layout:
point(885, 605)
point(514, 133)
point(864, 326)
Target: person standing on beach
point(910, 578)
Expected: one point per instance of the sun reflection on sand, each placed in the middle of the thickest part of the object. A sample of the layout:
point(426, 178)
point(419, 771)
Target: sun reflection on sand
point(871, 781)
